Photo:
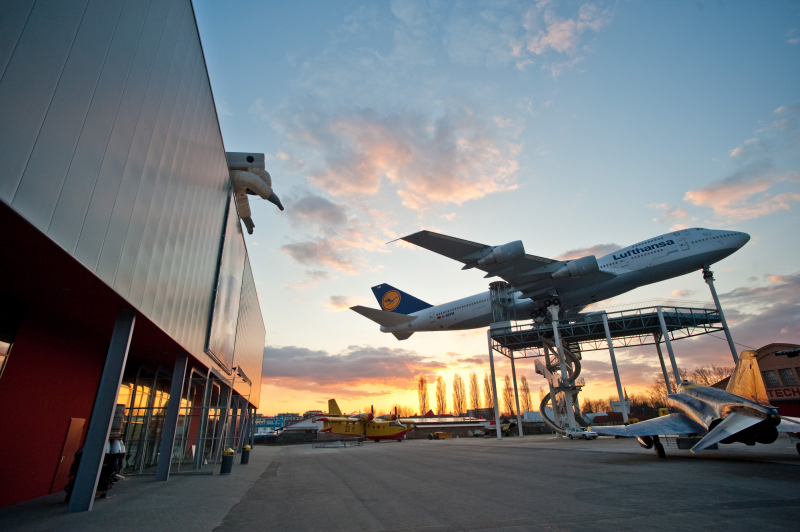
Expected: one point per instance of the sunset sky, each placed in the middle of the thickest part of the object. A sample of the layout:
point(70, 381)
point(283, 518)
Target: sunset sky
point(576, 127)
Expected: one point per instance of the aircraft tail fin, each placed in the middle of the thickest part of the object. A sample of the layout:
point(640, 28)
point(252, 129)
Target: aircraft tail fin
point(746, 380)
point(394, 300)
point(333, 408)
point(403, 335)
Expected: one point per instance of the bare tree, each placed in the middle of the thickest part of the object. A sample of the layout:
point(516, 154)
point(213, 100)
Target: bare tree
point(508, 397)
point(527, 404)
point(441, 396)
point(402, 410)
point(702, 375)
point(474, 392)
point(488, 394)
point(587, 407)
point(422, 392)
point(459, 396)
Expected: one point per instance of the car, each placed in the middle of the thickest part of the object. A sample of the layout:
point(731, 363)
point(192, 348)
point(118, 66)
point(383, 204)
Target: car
point(581, 432)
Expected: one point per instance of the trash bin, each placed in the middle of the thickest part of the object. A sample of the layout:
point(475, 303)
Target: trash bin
point(227, 461)
point(245, 455)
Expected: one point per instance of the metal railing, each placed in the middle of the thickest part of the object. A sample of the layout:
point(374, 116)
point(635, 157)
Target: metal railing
point(634, 327)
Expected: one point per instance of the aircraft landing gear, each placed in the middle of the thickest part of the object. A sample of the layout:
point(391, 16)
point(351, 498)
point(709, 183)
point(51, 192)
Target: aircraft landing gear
point(659, 448)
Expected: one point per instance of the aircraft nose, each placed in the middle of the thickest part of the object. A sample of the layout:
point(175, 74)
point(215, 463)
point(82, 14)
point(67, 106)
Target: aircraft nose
point(745, 238)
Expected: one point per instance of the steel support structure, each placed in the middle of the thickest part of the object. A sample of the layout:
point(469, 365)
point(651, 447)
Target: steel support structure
point(614, 367)
point(516, 395)
point(671, 353)
point(94, 446)
point(657, 338)
point(564, 373)
point(171, 419)
point(497, 425)
point(201, 439)
point(708, 276)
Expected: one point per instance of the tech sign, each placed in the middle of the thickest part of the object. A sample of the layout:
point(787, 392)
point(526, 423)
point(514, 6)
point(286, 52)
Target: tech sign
point(782, 394)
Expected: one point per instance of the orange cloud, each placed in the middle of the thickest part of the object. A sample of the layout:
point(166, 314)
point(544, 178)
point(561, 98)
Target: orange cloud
point(450, 159)
point(744, 196)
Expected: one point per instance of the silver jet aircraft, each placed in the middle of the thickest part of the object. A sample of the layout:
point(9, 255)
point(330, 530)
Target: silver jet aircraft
point(740, 413)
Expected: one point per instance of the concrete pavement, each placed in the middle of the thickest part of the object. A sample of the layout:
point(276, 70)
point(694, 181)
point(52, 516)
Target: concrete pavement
point(531, 483)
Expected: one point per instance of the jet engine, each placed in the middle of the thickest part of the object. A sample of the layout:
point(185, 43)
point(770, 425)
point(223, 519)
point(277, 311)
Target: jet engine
point(645, 441)
point(577, 268)
point(502, 254)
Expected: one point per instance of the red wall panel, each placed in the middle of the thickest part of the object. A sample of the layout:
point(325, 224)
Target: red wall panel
point(51, 376)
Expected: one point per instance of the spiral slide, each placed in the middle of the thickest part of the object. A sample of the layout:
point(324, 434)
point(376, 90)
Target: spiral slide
point(573, 371)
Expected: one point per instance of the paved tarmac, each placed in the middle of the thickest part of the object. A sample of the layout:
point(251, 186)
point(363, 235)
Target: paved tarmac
point(536, 483)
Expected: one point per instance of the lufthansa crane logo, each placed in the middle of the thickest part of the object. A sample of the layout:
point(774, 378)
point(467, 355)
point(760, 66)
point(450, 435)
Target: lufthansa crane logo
point(390, 300)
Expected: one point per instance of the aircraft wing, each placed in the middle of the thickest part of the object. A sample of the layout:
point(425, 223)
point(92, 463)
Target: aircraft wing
point(671, 424)
point(532, 275)
point(789, 424)
point(733, 423)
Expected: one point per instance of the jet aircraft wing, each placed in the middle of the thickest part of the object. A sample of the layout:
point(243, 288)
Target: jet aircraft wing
point(532, 275)
point(789, 424)
point(671, 424)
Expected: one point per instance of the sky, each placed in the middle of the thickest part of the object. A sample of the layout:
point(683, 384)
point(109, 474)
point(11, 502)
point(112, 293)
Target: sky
point(576, 127)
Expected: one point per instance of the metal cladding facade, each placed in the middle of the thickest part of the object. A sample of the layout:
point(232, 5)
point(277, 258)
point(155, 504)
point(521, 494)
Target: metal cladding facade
point(111, 147)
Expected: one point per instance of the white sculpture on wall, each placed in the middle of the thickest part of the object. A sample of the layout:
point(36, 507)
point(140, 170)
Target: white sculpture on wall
point(248, 176)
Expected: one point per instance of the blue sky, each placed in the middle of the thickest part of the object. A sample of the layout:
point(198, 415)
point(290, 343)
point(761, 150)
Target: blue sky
point(564, 124)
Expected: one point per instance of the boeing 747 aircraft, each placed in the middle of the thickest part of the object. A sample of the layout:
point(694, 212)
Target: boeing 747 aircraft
point(539, 282)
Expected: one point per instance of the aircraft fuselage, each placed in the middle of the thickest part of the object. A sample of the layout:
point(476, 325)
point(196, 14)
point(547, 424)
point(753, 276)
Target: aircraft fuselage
point(657, 259)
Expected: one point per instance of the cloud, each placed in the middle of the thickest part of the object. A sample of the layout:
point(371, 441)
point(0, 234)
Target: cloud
point(547, 31)
point(451, 158)
point(759, 185)
point(682, 293)
point(321, 252)
point(338, 303)
point(313, 278)
point(448, 217)
point(318, 211)
point(792, 37)
point(744, 194)
point(598, 250)
point(259, 110)
point(670, 214)
point(341, 374)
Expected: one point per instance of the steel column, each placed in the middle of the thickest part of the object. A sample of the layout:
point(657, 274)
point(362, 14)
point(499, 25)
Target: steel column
point(203, 429)
point(171, 419)
point(494, 388)
point(614, 367)
point(516, 394)
point(94, 447)
point(661, 360)
point(564, 373)
point(665, 334)
point(708, 275)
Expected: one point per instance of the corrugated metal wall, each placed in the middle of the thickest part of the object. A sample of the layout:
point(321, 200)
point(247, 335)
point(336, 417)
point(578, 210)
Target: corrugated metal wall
point(110, 145)
point(250, 334)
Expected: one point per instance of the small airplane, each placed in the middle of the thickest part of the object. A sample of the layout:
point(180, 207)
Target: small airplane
point(741, 413)
point(539, 283)
point(366, 426)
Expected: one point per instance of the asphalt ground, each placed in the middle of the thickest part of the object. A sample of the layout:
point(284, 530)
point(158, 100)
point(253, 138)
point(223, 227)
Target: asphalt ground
point(533, 483)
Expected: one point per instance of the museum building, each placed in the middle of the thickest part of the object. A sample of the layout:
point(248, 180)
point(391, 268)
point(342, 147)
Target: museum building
point(125, 278)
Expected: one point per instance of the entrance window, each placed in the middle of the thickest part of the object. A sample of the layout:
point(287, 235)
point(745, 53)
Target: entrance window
point(770, 379)
point(787, 377)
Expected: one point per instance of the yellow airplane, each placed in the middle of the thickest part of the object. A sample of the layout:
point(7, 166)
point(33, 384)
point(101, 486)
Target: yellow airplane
point(367, 426)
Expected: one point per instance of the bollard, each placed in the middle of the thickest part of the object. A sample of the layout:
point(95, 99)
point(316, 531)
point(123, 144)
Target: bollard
point(245, 454)
point(227, 461)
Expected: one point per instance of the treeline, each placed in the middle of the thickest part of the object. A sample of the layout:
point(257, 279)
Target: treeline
point(474, 398)
point(655, 396)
